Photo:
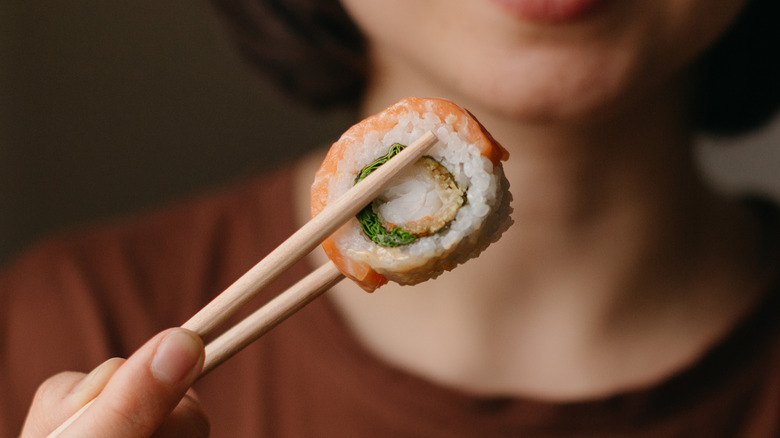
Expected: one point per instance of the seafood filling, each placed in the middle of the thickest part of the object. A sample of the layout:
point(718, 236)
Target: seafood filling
point(421, 201)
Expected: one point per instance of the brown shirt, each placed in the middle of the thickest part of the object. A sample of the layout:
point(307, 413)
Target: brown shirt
point(73, 302)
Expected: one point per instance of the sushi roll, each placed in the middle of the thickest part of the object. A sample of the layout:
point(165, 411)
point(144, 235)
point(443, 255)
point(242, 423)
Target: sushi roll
point(439, 212)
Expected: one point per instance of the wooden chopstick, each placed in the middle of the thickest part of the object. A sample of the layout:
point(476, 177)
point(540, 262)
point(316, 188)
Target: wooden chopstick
point(255, 325)
point(279, 260)
point(304, 240)
point(270, 315)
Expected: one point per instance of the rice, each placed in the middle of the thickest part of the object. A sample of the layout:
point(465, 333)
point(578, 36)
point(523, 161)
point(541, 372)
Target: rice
point(477, 223)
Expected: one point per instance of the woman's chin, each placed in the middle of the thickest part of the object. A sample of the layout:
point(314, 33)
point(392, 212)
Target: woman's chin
point(551, 100)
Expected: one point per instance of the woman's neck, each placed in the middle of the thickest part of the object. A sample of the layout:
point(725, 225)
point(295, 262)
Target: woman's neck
point(620, 268)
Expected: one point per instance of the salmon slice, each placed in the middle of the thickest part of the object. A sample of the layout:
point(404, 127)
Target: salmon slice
point(450, 113)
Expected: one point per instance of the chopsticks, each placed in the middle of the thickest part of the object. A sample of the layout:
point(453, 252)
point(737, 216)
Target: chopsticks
point(302, 242)
point(285, 255)
point(270, 315)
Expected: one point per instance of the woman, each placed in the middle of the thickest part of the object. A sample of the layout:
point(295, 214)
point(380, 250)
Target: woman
point(629, 299)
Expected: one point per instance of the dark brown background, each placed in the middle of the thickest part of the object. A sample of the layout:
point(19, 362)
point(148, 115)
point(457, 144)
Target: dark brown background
point(108, 107)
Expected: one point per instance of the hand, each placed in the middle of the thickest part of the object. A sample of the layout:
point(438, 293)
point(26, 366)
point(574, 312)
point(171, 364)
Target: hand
point(143, 395)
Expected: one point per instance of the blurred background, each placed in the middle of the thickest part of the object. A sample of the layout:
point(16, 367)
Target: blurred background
point(109, 107)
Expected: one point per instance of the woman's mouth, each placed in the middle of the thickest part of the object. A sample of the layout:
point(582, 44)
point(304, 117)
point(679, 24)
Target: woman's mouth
point(549, 10)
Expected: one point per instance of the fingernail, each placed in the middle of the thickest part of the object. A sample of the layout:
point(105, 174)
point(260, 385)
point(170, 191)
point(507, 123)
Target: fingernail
point(176, 357)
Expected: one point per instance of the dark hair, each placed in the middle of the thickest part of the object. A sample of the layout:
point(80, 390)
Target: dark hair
point(311, 49)
point(316, 54)
point(739, 77)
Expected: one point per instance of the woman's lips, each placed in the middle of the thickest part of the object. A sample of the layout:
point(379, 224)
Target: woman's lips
point(549, 10)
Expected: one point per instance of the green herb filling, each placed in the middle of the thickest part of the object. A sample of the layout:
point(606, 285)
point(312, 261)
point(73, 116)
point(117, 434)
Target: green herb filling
point(369, 221)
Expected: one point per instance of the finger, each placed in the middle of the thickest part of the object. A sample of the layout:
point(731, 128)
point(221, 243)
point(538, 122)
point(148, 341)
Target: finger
point(49, 407)
point(95, 381)
point(62, 395)
point(145, 390)
point(186, 420)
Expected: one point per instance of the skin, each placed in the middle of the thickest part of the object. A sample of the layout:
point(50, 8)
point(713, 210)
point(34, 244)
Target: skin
point(580, 71)
point(623, 266)
point(143, 395)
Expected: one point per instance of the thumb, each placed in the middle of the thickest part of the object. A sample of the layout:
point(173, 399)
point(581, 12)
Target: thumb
point(144, 390)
